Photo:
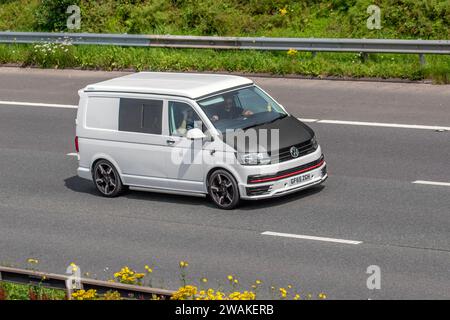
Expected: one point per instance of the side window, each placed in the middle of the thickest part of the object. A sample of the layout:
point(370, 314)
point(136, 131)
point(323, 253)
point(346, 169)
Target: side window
point(140, 115)
point(183, 118)
point(102, 113)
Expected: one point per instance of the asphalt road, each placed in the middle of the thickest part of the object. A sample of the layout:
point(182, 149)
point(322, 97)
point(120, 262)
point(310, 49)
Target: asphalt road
point(48, 213)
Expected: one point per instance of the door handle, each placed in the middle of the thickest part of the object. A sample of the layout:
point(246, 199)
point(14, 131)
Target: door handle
point(170, 142)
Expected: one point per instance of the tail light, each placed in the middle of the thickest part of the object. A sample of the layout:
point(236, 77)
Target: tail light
point(76, 144)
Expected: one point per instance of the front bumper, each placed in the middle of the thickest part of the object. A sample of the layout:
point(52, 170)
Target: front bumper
point(284, 186)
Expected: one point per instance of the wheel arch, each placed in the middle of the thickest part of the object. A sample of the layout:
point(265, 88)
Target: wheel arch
point(102, 156)
point(230, 171)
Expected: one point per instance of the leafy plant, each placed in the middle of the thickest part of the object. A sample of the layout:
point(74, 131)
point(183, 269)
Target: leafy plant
point(51, 15)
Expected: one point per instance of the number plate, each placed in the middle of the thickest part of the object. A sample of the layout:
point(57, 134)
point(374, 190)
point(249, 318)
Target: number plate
point(300, 179)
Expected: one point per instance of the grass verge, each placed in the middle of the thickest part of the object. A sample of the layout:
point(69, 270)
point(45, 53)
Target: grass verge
point(12, 291)
point(111, 58)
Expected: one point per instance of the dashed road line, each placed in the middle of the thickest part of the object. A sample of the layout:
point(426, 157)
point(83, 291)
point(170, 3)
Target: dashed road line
point(379, 124)
point(305, 237)
point(37, 104)
point(432, 183)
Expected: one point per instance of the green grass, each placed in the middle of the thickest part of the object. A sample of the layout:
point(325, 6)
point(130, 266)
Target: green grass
point(426, 19)
point(408, 19)
point(22, 292)
point(277, 63)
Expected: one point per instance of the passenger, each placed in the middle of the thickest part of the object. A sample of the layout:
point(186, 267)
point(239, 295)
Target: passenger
point(187, 122)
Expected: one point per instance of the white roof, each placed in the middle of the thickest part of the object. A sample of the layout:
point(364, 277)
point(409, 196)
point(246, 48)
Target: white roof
point(190, 85)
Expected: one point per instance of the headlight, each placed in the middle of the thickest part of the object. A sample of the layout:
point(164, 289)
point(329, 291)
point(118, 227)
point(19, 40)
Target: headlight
point(252, 159)
point(314, 142)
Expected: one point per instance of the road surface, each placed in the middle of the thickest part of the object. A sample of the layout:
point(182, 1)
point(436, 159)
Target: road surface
point(378, 139)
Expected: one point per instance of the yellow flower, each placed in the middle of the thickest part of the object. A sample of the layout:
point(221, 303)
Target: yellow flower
point(297, 297)
point(149, 270)
point(283, 11)
point(112, 295)
point(322, 296)
point(283, 292)
point(230, 278)
point(236, 281)
point(85, 295)
point(33, 261)
point(292, 52)
point(183, 264)
point(184, 293)
point(129, 276)
point(204, 280)
point(258, 282)
point(289, 286)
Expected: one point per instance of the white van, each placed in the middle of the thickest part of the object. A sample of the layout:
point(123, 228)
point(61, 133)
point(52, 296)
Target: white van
point(196, 134)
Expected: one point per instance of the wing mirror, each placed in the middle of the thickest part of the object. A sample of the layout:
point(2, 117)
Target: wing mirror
point(195, 134)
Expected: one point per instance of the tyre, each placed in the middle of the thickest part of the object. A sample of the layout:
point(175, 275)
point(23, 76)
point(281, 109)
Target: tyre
point(106, 179)
point(223, 190)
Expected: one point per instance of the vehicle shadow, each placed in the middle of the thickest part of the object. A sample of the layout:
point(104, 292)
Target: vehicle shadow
point(251, 205)
point(80, 185)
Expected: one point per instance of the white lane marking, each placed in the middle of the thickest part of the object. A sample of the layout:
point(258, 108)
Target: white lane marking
point(353, 123)
point(433, 183)
point(36, 104)
point(73, 154)
point(299, 236)
point(308, 120)
point(386, 125)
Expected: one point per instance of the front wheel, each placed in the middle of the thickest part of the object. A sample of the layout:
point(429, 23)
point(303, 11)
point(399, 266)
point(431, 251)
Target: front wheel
point(107, 179)
point(223, 190)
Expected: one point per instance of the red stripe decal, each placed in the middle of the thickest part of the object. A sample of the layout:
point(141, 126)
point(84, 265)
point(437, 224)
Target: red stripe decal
point(289, 174)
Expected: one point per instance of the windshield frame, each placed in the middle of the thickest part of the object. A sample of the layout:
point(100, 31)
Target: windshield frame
point(263, 94)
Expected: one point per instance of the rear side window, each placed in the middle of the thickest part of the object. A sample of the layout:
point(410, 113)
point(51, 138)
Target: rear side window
point(102, 113)
point(140, 115)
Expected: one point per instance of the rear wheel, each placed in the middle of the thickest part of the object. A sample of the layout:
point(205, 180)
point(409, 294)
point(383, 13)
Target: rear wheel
point(107, 179)
point(223, 190)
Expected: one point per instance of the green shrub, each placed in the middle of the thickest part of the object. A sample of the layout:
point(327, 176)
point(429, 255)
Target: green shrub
point(51, 14)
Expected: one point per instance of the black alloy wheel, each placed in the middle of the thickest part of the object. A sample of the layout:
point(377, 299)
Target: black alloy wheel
point(223, 190)
point(107, 179)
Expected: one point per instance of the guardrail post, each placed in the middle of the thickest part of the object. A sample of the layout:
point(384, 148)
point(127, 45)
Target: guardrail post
point(422, 59)
point(314, 54)
point(364, 56)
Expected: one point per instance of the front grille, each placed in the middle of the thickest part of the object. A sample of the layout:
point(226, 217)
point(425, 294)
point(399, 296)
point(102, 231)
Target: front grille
point(286, 173)
point(285, 153)
point(257, 191)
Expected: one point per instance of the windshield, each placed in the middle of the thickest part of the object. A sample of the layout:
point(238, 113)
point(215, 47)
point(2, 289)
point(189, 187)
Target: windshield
point(241, 109)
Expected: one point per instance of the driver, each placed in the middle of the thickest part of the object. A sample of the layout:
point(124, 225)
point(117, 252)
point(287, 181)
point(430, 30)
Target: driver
point(230, 111)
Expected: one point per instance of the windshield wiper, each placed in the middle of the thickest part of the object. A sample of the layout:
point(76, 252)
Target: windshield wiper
point(278, 118)
point(252, 126)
